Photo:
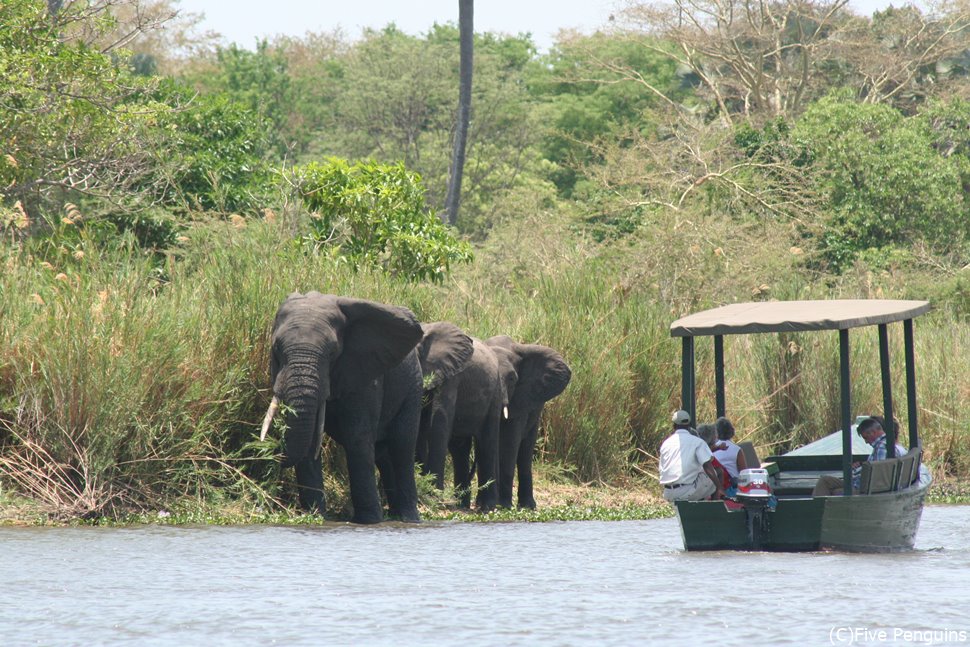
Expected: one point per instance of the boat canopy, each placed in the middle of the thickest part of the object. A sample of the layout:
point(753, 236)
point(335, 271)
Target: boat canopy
point(791, 316)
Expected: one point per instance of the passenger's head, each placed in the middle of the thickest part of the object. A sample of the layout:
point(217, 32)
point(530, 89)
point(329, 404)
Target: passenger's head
point(870, 429)
point(725, 430)
point(681, 419)
point(707, 433)
point(882, 423)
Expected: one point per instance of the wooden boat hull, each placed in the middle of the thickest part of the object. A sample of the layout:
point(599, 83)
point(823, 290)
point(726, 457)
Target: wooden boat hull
point(885, 522)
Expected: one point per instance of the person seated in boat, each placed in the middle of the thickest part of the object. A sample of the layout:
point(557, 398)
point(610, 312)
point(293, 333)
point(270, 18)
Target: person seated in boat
point(872, 432)
point(708, 433)
point(727, 452)
point(882, 423)
point(686, 464)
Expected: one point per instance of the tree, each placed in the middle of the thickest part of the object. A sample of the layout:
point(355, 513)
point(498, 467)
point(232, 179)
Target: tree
point(210, 152)
point(905, 55)
point(259, 80)
point(395, 101)
point(751, 57)
point(597, 88)
point(71, 116)
point(467, 46)
point(884, 177)
point(315, 68)
point(762, 59)
point(374, 215)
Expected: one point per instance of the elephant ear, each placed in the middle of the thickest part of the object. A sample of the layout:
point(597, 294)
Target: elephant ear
point(376, 338)
point(543, 374)
point(444, 352)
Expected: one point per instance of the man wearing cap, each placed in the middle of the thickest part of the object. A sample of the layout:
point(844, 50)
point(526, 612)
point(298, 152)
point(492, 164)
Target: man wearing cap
point(686, 464)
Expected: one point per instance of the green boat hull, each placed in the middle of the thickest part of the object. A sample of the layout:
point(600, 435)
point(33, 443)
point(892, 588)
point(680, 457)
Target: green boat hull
point(885, 522)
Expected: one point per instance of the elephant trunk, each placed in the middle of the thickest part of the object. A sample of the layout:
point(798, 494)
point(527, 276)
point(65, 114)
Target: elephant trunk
point(302, 427)
point(305, 392)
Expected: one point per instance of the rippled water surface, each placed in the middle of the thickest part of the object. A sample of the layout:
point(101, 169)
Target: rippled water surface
point(576, 583)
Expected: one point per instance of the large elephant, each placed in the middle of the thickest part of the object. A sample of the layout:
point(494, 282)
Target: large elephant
point(541, 375)
point(348, 367)
point(459, 409)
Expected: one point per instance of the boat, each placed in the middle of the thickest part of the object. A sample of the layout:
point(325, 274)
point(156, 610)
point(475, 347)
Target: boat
point(884, 515)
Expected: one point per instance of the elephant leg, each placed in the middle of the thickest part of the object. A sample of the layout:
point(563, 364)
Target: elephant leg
point(398, 462)
point(363, 484)
point(309, 482)
point(487, 457)
point(461, 447)
point(524, 463)
point(509, 441)
point(438, 434)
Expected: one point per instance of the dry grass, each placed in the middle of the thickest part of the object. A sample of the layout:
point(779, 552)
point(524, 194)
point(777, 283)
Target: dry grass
point(626, 493)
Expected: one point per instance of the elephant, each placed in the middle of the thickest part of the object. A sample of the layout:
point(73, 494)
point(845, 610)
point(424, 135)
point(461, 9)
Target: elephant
point(541, 375)
point(349, 367)
point(460, 408)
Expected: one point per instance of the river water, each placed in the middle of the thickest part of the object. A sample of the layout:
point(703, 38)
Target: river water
point(571, 583)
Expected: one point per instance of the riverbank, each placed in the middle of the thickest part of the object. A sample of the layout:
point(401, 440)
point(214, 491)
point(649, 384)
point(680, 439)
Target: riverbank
point(556, 499)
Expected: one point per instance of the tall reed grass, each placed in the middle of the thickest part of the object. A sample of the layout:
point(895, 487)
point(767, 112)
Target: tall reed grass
point(132, 383)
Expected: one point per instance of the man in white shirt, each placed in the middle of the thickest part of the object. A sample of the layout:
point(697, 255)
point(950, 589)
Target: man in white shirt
point(686, 464)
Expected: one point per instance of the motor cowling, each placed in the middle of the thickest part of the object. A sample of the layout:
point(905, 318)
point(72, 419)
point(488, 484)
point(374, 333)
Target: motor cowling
point(753, 485)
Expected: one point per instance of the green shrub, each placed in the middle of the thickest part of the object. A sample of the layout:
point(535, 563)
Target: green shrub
point(210, 152)
point(374, 216)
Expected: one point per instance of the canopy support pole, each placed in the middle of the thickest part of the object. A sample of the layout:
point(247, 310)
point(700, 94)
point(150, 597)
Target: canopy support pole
point(887, 392)
point(911, 382)
point(846, 413)
point(719, 374)
point(687, 378)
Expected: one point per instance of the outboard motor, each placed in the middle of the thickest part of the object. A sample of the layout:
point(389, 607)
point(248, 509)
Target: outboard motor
point(753, 485)
point(754, 493)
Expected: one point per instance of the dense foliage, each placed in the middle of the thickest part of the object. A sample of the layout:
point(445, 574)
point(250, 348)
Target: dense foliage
point(160, 195)
point(373, 215)
point(70, 119)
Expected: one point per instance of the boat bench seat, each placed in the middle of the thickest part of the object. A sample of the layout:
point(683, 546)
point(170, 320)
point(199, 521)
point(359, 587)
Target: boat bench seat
point(891, 474)
point(909, 470)
point(879, 476)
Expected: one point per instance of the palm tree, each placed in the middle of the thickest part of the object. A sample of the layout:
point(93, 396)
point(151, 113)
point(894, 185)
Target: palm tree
point(466, 35)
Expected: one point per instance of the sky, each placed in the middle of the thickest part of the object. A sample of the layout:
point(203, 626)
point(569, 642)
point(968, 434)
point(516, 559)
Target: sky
point(244, 21)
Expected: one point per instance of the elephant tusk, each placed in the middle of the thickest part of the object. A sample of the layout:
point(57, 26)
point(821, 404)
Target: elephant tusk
point(505, 413)
point(273, 408)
